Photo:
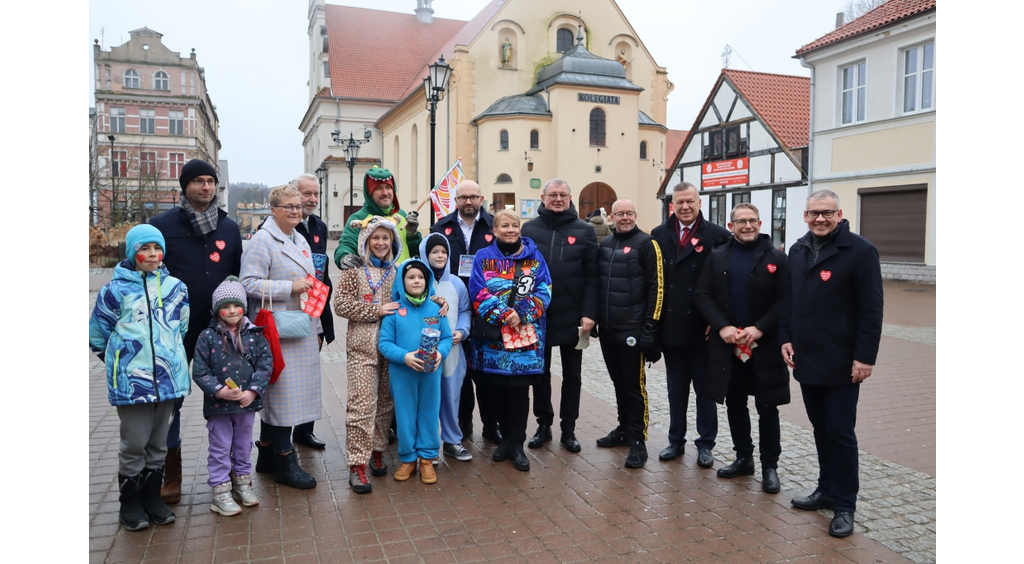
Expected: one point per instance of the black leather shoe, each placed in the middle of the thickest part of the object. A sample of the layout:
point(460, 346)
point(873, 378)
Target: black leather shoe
point(570, 443)
point(769, 480)
point(617, 437)
point(308, 439)
point(637, 455)
point(501, 453)
point(813, 502)
point(841, 525)
point(742, 467)
point(542, 436)
point(671, 452)
point(705, 460)
point(493, 435)
point(519, 459)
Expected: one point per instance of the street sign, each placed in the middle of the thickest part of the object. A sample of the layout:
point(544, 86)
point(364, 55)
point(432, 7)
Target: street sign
point(731, 172)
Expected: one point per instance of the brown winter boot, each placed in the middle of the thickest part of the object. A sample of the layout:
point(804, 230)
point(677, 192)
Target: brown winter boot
point(171, 490)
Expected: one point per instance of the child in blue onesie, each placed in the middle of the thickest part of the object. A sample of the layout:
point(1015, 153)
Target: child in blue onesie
point(417, 393)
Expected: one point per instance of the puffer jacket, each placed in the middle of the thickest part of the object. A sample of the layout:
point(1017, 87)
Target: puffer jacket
point(217, 359)
point(350, 244)
point(137, 327)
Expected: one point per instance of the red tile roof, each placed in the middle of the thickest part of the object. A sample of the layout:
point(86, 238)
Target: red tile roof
point(375, 54)
point(782, 101)
point(890, 12)
point(674, 143)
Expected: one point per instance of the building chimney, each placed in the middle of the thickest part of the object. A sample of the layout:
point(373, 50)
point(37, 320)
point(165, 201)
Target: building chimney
point(424, 12)
point(840, 20)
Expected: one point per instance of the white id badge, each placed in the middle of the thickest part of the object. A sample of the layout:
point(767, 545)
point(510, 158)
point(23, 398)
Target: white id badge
point(465, 265)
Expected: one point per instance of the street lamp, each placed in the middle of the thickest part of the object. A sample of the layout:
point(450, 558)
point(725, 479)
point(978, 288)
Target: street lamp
point(434, 86)
point(320, 173)
point(351, 149)
point(112, 191)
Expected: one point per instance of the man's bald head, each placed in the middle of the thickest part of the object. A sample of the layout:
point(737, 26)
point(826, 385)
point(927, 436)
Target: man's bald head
point(624, 215)
point(468, 199)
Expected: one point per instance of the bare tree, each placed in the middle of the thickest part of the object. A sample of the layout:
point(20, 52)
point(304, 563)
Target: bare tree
point(132, 191)
point(854, 9)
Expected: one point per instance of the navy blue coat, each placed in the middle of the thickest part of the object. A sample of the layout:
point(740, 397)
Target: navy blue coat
point(836, 313)
point(202, 262)
point(483, 236)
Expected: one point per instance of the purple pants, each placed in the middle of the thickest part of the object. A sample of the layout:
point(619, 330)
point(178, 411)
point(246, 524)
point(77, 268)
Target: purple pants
point(230, 446)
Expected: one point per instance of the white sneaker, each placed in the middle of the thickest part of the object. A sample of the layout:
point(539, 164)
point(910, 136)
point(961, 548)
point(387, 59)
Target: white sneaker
point(241, 489)
point(457, 451)
point(222, 502)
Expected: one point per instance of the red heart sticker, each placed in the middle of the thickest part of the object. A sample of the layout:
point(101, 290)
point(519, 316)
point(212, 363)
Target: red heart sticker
point(220, 244)
point(694, 241)
point(368, 298)
point(305, 253)
point(571, 239)
point(447, 230)
point(215, 256)
point(699, 248)
point(316, 238)
point(402, 311)
point(825, 275)
point(488, 237)
point(625, 250)
point(772, 268)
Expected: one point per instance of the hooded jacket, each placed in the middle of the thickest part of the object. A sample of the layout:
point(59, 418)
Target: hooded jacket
point(350, 236)
point(601, 227)
point(483, 236)
point(454, 292)
point(400, 331)
point(137, 328)
point(215, 362)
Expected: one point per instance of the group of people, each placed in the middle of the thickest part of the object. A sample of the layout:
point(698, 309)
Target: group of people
point(467, 318)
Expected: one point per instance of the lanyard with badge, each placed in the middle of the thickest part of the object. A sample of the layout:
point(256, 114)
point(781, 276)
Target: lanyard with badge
point(466, 260)
point(371, 298)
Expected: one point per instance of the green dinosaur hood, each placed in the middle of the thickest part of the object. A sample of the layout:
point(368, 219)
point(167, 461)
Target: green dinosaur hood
point(379, 174)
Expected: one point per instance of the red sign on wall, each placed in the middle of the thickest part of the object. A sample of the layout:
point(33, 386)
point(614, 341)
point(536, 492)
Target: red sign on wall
point(726, 173)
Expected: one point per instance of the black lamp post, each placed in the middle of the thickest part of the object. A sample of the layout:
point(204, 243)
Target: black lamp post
point(112, 191)
point(434, 86)
point(320, 174)
point(351, 149)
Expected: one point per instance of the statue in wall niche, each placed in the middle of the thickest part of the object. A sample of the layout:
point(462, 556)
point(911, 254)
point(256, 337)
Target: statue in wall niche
point(622, 59)
point(506, 52)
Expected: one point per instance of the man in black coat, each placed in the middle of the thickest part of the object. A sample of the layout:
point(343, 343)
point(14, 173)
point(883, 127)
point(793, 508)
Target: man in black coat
point(629, 298)
point(742, 290)
point(830, 338)
point(569, 247)
point(204, 247)
point(469, 229)
point(686, 240)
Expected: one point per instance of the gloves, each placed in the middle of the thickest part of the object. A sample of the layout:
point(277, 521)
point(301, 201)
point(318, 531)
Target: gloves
point(350, 260)
point(412, 219)
point(649, 344)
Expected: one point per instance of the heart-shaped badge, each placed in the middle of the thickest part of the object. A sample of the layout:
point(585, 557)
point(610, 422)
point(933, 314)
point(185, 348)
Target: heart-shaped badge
point(215, 256)
point(447, 230)
point(625, 250)
point(488, 237)
point(571, 239)
point(220, 244)
point(825, 275)
point(772, 268)
point(402, 311)
point(699, 248)
point(316, 238)
point(305, 253)
point(694, 241)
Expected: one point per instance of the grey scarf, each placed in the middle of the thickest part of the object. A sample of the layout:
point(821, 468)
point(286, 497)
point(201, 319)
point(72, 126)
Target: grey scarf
point(205, 222)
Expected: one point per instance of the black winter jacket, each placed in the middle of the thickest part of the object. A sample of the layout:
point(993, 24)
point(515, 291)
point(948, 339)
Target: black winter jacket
point(569, 247)
point(483, 236)
point(682, 325)
point(768, 296)
point(629, 289)
point(836, 314)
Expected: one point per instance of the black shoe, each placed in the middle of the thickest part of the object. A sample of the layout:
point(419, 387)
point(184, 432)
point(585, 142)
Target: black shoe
point(742, 467)
point(492, 434)
point(769, 480)
point(570, 443)
point(131, 514)
point(671, 452)
point(542, 436)
point(815, 501)
point(705, 460)
point(617, 437)
point(501, 453)
point(266, 460)
point(392, 437)
point(289, 473)
point(637, 455)
point(841, 525)
point(519, 459)
point(308, 439)
point(152, 503)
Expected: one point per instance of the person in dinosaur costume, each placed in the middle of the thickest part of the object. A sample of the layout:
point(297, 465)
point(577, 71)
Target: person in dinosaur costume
point(379, 193)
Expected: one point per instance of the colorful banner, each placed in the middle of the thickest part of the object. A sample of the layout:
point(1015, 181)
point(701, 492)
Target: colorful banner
point(443, 195)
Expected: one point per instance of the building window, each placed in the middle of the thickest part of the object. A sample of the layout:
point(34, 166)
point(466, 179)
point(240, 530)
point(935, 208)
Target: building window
point(503, 179)
point(716, 145)
point(919, 78)
point(119, 164)
point(564, 40)
point(131, 79)
point(717, 205)
point(740, 198)
point(147, 121)
point(597, 127)
point(503, 140)
point(147, 164)
point(779, 219)
point(175, 161)
point(116, 119)
point(160, 81)
point(176, 122)
point(854, 92)
point(327, 69)
point(733, 144)
point(643, 150)
point(534, 139)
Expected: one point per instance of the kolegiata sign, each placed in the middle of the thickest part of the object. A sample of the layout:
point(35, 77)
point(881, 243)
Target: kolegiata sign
point(597, 98)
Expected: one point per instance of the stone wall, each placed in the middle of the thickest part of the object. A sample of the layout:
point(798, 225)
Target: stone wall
point(909, 272)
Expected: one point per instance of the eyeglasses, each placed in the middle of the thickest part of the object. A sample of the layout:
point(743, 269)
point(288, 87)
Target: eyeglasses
point(813, 214)
point(557, 196)
point(624, 214)
point(468, 198)
point(289, 209)
point(200, 181)
point(745, 222)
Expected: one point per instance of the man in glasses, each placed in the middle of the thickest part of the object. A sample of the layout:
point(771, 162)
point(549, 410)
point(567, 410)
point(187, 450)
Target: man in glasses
point(204, 247)
point(468, 229)
point(741, 292)
point(629, 297)
point(830, 338)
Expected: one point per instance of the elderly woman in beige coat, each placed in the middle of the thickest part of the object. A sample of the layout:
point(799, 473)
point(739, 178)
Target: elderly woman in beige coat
point(275, 264)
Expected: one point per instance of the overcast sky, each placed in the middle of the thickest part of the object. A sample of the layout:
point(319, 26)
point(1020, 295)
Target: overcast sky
point(255, 56)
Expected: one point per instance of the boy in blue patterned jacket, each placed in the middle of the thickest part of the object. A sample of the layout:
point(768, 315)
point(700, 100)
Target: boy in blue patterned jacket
point(137, 327)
